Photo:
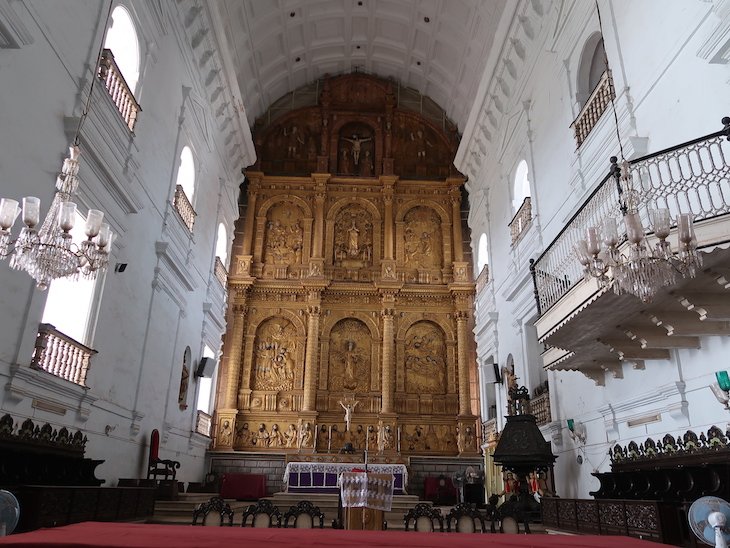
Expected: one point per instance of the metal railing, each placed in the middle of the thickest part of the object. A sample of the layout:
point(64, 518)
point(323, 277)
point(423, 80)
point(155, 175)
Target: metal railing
point(118, 89)
point(521, 220)
point(693, 177)
point(203, 422)
point(184, 207)
point(60, 355)
point(540, 407)
point(594, 108)
point(220, 271)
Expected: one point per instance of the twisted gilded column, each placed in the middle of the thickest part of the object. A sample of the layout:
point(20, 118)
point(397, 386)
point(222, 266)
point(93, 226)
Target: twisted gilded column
point(461, 348)
point(388, 387)
point(310, 359)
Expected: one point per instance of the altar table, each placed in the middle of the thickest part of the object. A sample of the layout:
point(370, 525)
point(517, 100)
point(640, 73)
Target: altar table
point(243, 486)
point(135, 535)
point(321, 477)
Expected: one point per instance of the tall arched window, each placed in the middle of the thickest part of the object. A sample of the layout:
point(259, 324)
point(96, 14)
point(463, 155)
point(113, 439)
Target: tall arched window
point(121, 39)
point(186, 172)
point(591, 67)
point(221, 244)
point(521, 188)
point(482, 258)
point(597, 67)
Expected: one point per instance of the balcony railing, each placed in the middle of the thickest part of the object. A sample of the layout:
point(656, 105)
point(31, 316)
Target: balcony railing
point(60, 355)
point(118, 89)
point(693, 177)
point(483, 278)
point(184, 207)
point(594, 108)
point(220, 271)
point(540, 407)
point(203, 422)
point(521, 220)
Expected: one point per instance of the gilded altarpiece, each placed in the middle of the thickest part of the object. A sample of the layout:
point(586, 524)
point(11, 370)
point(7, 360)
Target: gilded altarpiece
point(351, 295)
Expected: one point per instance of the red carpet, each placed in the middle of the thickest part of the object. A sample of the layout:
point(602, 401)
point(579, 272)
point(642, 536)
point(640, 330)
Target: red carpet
point(185, 536)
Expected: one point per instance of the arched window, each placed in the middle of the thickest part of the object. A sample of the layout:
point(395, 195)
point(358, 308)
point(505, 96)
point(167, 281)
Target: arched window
point(521, 189)
point(205, 389)
point(591, 67)
point(121, 39)
point(186, 172)
point(482, 258)
point(221, 244)
point(597, 67)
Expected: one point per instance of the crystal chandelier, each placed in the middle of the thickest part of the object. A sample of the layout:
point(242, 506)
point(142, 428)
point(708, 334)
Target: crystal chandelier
point(628, 262)
point(49, 253)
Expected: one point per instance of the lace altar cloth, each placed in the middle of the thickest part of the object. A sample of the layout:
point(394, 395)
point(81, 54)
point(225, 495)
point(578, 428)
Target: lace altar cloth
point(367, 490)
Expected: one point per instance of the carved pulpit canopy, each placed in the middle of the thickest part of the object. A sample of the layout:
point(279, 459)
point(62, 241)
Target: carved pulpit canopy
point(356, 125)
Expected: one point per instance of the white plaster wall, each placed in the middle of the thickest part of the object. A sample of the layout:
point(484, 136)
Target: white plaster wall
point(151, 312)
point(666, 94)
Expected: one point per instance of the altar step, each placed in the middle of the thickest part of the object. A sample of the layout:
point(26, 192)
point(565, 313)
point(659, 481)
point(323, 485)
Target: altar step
point(180, 512)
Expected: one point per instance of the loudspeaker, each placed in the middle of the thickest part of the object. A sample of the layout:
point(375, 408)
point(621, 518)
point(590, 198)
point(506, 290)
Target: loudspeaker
point(206, 367)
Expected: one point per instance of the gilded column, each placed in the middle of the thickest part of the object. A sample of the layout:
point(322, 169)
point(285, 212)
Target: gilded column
point(235, 348)
point(388, 263)
point(461, 353)
point(250, 216)
point(388, 387)
point(310, 359)
point(318, 236)
point(455, 195)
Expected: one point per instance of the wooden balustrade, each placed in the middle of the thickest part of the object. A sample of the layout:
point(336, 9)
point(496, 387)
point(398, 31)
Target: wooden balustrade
point(220, 271)
point(483, 278)
point(60, 355)
point(118, 89)
point(521, 220)
point(540, 407)
point(203, 422)
point(184, 207)
point(594, 108)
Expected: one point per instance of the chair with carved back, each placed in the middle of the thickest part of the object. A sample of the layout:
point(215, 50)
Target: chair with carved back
point(510, 514)
point(165, 468)
point(263, 514)
point(304, 516)
point(215, 504)
point(466, 519)
point(425, 518)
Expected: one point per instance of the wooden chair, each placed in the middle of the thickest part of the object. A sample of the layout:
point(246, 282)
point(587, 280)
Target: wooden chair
point(156, 466)
point(424, 517)
point(263, 514)
point(216, 504)
point(304, 515)
point(465, 517)
point(510, 514)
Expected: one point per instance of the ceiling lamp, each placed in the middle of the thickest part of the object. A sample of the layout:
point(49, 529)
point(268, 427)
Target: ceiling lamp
point(626, 260)
point(48, 252)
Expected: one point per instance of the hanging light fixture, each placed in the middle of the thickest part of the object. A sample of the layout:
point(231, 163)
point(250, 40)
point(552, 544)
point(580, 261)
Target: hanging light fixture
point(626, 261)
point(49, 253)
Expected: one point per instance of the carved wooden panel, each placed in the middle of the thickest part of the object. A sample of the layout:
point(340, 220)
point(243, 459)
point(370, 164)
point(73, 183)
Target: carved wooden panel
point(349, 357)
point(425, 359)
point(423, 245)
point(274, 355)
point(284, 235)
point(353, 245)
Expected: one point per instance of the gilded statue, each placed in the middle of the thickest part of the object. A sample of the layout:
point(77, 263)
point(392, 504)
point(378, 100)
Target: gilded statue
point(276, 438)
point(261, 438)
point(349, 356)
point(224, 437)
point(284, 235)
point(425, 359)
point(356, 145)
point(306, 435)
point(290, 436)
point(274, 358)
point(422, 235)
point(349, 407)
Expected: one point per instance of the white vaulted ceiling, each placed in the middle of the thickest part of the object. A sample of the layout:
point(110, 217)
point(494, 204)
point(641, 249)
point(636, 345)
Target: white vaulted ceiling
point(438, 47)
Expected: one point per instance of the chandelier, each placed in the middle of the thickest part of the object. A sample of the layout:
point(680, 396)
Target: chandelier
point(628, 262)
point(49, 253)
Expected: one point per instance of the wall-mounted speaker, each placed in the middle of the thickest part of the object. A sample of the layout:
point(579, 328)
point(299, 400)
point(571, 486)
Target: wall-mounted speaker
point(206, 367)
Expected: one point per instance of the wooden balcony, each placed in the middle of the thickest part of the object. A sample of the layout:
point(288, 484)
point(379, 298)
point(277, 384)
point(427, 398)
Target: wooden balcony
point(483, 278)
point(184, 207)
point(60, 355)
point(118, 89)
point(521, 221)
point(594, 108)
point(591, 329)
point(220, 272)
point(540, 407)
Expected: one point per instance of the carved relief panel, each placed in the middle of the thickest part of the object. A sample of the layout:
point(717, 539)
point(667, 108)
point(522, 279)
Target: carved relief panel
point(423, 241)
point(353, 245)
point(425, 359)
point(349, 356)
point(274, 355)
point(284, 235)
